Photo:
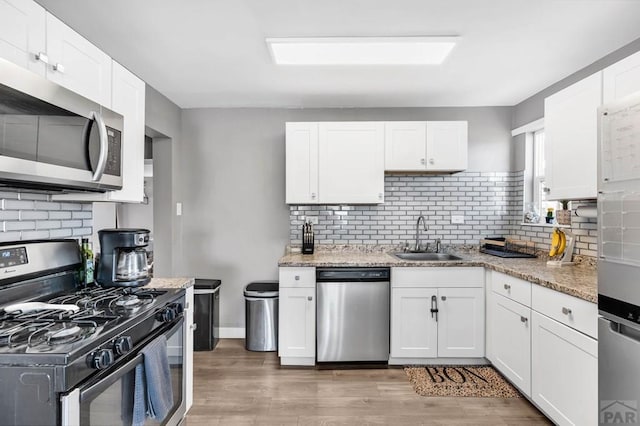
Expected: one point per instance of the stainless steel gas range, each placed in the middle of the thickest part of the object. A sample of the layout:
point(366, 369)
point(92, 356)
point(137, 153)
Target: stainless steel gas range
point(69, 355)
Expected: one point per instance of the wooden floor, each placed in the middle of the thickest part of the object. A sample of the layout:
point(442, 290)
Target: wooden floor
point(236, 387)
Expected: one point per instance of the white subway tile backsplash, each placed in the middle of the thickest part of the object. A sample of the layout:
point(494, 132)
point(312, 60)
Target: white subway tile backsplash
point(28, 215)
point(491, 203)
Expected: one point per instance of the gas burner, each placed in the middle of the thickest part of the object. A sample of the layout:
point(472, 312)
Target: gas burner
point(129, 301)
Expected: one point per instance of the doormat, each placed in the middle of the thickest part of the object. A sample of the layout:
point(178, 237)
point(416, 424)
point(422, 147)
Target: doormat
point(460, 380)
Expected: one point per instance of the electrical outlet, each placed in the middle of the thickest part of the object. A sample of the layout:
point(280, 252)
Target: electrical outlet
point(311, 219)
point(457, 219)
point(178, 209)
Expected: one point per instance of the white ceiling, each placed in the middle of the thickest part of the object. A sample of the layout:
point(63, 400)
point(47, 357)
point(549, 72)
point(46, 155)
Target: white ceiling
point(211, 53)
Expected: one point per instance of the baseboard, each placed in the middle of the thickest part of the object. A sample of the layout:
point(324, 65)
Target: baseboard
point(232, 332)
point(438, 361)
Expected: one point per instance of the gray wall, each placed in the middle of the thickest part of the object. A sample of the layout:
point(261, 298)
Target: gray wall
point(235, 223)
point(162, 119)
point(532, 108)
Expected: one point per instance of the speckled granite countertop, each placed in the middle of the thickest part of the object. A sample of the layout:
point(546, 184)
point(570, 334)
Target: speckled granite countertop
point(579, 280)
point(171, 283)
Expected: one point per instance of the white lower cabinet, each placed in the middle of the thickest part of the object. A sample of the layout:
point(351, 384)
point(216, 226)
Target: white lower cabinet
point(297, 316)
point(461, 322)
point(414, 330)
point(510, 324)
point(188, 345)
point(564, 372)
point(437, 313)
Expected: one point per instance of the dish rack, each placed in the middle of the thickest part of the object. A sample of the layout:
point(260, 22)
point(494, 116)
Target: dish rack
point(508, 247)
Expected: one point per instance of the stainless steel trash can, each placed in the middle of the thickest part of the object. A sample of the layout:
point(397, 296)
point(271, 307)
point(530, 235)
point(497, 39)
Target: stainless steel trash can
point(261, 315)
point(206, 314)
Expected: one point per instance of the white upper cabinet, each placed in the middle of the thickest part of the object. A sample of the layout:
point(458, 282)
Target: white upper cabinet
point(351, 162)
point(446, 145)
point(433, 146)
point(77, 64)
point(621, 79)
point(571, 136)
point(301, 163)
point(22, 34)
point(405, 145)
point(38, 41)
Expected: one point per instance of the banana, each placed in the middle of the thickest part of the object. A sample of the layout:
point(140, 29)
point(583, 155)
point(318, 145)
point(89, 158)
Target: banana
point(555, 242)
point(563, 243)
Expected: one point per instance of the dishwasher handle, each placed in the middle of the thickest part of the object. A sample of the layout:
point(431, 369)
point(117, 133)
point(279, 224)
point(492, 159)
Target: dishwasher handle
point(434, 307)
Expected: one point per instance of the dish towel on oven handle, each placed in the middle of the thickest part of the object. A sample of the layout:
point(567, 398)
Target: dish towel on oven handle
point(153, 379)
point(139, 397)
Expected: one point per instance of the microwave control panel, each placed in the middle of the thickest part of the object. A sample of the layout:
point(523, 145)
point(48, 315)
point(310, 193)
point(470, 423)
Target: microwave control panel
point(114, 156)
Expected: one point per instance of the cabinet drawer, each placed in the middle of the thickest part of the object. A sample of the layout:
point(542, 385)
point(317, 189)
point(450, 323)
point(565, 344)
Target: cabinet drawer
point(297, 277)
point(511, 287)
point(568, 310)
point(437, 277)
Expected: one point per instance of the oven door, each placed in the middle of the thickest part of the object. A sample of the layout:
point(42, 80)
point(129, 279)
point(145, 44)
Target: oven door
point(108, 400)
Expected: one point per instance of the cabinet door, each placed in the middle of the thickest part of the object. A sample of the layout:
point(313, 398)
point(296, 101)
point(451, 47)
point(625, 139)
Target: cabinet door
point(301, 146)
point(621, 79)
point(297, 322)
point(77, 64)
point(511, 341)
point(188, 347)
point(22, 34)
point(405, 145)
point(446, 145)
point(564, 369)
point(461, 322)
point(414, 332)
point(351, 168)
point(571, 136)
point(129, 100)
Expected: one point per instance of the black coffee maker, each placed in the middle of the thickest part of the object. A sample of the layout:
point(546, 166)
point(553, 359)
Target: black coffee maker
point(123, 258)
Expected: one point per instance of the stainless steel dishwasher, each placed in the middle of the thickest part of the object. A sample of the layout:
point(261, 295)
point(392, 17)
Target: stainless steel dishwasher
point(352, 314)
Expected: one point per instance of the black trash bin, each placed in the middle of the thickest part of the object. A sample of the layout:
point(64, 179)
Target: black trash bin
point(206, 314)
point(261, 315)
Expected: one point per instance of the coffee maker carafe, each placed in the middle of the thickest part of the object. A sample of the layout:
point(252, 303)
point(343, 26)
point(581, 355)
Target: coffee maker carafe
point(123, 258)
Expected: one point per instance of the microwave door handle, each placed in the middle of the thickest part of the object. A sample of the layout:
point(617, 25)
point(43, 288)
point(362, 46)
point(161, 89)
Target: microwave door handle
point(104, 146)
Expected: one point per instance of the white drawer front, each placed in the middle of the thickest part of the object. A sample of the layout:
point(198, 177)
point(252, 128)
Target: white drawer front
point(576, 313)
point(297, 277)
point(511, 287)
point(437, 277)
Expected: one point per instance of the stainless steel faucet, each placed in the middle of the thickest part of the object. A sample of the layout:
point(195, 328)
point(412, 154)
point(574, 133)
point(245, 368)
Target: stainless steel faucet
point(424, 223)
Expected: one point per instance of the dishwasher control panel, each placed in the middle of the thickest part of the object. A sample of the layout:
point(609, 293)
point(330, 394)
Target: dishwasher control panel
point(352, 274)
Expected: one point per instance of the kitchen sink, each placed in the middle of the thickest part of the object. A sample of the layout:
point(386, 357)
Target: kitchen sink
point(426, 256)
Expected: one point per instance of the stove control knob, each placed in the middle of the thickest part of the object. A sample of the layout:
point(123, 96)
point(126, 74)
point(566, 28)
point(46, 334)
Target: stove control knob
point(122, 345)
point(101, 359)
point(167, 314)
point(177, 307)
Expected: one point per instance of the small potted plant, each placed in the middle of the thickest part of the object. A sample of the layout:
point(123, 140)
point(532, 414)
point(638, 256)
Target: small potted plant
point(564, 216)
point(549, 217)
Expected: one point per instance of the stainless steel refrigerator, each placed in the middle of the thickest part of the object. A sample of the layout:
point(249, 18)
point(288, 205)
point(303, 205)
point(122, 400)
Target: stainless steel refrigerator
point(619, 262)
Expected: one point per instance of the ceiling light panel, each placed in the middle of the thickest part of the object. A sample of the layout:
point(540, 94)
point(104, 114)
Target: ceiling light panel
point(361, 50)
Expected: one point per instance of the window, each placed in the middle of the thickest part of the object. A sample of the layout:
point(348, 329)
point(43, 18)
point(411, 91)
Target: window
point(535, 194)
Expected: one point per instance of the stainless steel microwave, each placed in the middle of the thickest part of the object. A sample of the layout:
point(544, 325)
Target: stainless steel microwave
point(54, 139)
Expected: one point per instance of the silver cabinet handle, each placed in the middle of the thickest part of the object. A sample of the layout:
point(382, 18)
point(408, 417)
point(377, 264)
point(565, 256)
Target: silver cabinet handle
point(380, 195)
point(443, 298)
point(507, 287)
point(309, 298)
point(297, 278)
point(313, 195)
point(42, 57)
point(104, 146)
point(545, 189)
point(422, 161)
point(432, 161)
point(59, 67)
point(524, 319)
point(566, 311)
